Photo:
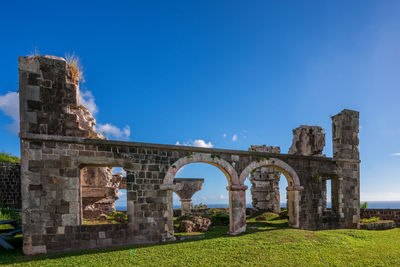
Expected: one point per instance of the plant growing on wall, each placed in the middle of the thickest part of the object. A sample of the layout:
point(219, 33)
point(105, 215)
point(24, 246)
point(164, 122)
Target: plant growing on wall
point(364, 205)
point(316, 178)
point(74, 67)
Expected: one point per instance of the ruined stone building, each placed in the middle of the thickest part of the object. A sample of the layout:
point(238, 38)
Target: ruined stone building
point(56, 148)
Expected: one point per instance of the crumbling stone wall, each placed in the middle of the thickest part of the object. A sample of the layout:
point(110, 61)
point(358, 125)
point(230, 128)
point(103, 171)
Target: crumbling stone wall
point(265, 184)
point(10, 184)
point(99, 191)
point(51, 84)
point(383, 214)
point(54, 149)
point(308, 141)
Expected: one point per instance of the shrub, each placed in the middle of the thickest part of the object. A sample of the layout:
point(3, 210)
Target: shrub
point(219, 219)
point(364, 205)
point(118, 216)
point(7, 213)
point(284, 214)
point(200, 206)
point(7, 157)
point(266, 216)
point(370, 220)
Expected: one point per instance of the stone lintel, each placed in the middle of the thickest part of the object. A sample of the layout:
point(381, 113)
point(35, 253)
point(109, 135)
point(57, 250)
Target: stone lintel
point(88, 141)
point(167, 187)
point(188, 180)
point(237, 187)
point(294, 188)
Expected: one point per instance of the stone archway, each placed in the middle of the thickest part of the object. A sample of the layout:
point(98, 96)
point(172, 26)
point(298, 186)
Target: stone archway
point(293, 189)
point(237, 211)
point(230, 173)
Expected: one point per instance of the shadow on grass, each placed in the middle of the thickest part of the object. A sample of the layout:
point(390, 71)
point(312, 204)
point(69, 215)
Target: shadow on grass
point(218, 231)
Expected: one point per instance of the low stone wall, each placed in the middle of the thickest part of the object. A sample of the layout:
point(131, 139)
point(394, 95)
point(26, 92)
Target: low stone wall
point(10, 184)
point(381, 225)
point(69, 238)
point(383, 214)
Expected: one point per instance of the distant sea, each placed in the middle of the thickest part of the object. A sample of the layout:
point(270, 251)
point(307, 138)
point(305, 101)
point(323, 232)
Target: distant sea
point(371, 205)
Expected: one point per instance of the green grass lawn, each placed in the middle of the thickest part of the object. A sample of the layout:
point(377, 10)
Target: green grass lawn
point(271, 244)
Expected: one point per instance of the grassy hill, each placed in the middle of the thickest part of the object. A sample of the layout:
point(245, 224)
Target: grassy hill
point(271, 244)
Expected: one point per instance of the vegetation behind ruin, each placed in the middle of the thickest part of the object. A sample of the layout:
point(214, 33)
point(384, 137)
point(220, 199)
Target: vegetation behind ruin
point(7, 157)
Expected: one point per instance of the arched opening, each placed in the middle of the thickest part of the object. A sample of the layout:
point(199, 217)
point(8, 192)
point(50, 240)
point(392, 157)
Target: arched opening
point(213, 191)
point(237, 218)
point(200, 190)
point(265, 177)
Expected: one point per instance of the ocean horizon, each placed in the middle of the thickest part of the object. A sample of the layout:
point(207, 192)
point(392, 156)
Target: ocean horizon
point(371, 205)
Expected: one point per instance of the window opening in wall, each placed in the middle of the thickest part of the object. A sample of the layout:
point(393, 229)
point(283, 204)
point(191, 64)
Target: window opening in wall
point(327, 194)
point(103, 195)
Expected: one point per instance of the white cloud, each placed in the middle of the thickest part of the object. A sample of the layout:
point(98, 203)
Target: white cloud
point(86, 99)
point(395, 154)
point(195, 143)
point(224, 135)
point(121, 193)
point(9, 104)
point(221, 196)
point(110, 130)
point(234, 137)
point(202, 143)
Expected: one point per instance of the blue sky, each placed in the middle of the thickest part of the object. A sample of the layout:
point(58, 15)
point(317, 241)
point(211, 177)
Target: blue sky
point(181, 71)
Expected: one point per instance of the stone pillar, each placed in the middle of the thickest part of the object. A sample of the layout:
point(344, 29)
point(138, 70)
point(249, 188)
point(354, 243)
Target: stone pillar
point(168, 212)
point(345, 128)
point(186, 206)
point(265, 183)
point(185, 188)
point(237, 209)
point(293, 199)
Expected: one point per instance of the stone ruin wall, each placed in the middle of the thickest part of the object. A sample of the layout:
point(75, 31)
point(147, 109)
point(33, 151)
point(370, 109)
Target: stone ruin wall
point(265, 184)
point(99, 185)
point(54, 148)
point(383, 214)
point(10, 184)
point(307, 141)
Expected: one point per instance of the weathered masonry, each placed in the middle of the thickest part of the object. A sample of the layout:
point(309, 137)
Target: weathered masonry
point(10, 184)
point(55, 148)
